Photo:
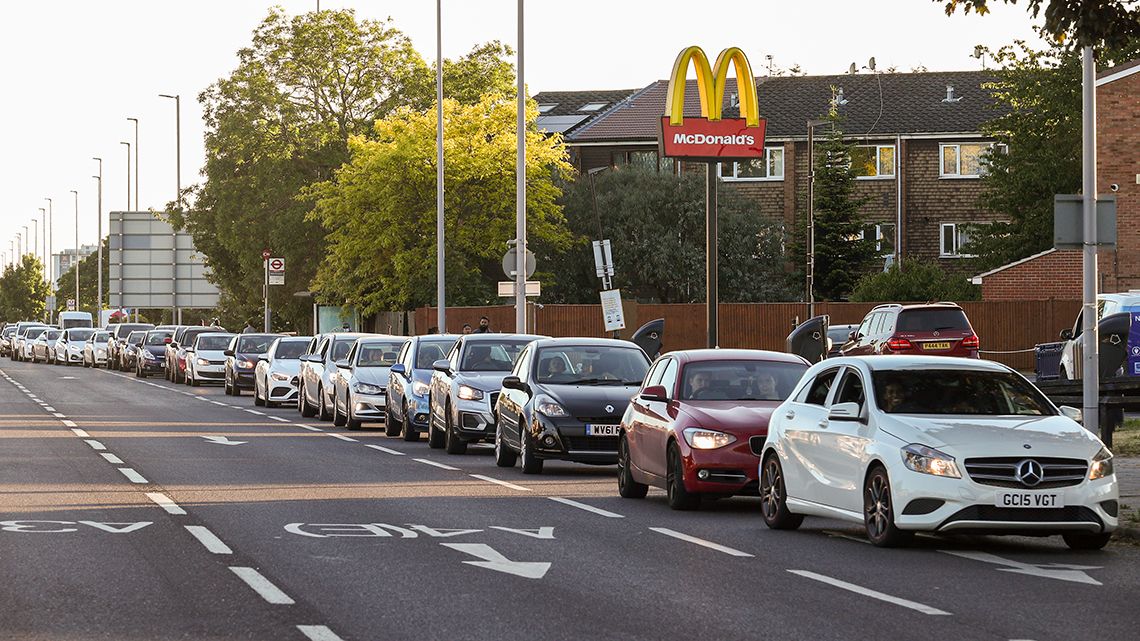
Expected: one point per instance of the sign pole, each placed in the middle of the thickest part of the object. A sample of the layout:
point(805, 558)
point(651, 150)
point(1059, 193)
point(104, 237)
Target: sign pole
point(265, 291)
point(520, 189)
point(711, 250)
point(1090, 371)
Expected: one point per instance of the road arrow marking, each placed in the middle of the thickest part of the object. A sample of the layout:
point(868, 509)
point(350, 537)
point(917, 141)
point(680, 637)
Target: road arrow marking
point(1060, 572)
point(441, 533)
point(540, 533)
point(223, 440)
point(492, 560)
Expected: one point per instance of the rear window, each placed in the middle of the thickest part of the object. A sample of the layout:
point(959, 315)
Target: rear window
point(958, 392)
point(931, 320)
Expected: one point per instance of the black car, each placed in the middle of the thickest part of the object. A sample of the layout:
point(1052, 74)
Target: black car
point(151, 355)
point(128, 350)
point(119, 334)
point(564, 400)
point(241, 359)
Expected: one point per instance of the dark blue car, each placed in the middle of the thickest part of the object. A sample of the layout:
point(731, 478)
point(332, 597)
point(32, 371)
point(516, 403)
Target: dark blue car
point(409, 383)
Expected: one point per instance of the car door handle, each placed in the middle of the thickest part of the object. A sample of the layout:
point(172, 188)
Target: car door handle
point(823, 424)
point(790, 415)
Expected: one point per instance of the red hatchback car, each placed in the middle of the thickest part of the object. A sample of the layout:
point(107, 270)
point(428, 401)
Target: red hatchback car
point(699, 417)
point(934, 329)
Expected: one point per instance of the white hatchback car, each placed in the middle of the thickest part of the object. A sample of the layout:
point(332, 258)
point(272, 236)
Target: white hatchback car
point(915, 443)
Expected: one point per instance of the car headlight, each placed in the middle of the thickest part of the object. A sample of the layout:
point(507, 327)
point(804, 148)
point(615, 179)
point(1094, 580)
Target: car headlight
point(278, 376)
point(420, 388)
point(1101, 465)
point(367, 388)
point(101, 352)
point(928, 460)
point(245, 364)
point(702, 439)
point(202, 361)
point(547, 407)
point(146, 355)
point(467, 393)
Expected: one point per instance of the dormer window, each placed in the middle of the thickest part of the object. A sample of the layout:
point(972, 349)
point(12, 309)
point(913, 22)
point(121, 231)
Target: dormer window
point(592, 106)
point(547, 107)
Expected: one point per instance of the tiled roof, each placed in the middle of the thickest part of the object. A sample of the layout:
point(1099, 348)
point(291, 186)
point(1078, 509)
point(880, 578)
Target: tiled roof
point(912, 103)
point(566, 113)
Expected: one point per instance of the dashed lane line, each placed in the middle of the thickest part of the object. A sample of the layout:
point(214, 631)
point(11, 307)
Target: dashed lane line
point(858, 589)
point(133, 476)
point(589, 508)
point(434, 464)
point(58, 415)
point(701, 542)
point(309, 427)
point(279, 419)
point(80, 433)
point(209, 540)
point(385, 450)
point(96, 445)
point(498, 482)
point(254, 412)
point(163, 501)
point(111, 458)
point(343, 438)
point(68, 423)
point(318, 633)
point(264, 588)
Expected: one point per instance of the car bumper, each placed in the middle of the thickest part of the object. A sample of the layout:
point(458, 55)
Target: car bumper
point(152, 366)
point(474, 421)
point(566, 439)
point(369, 408)
point(930, 503)
point(209, 372)
point(282, 391)
point(732, 469)
point(243, 379)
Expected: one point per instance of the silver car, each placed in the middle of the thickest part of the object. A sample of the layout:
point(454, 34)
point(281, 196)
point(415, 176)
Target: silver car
point(360, 389)
point(277, 375)
point(26, 345)
point(95, 349)
point(317, 372)
point(43, 348)
point(206, 358)
point(69, 347)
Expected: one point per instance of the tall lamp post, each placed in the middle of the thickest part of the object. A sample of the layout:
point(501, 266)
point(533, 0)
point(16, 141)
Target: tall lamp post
point(50, 241)
point(810, 271)
point(128, 174)
point(177, 98)
point(520, 188)
point(99, 264)
point(440, 271)
point(36, 236)
point(77, 252)
point(24, 240)
point(136, 121)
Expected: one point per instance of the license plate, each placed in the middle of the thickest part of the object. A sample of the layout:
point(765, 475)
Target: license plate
point(930, 347)
point(593, 429)
point(1029, 499)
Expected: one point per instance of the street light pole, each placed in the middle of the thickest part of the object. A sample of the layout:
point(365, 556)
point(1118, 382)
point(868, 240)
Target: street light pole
point(177, 98)
point(77, 252)
point(99, 241)
point(50, 241)
point(520, 188)
point(1090, 369)
point(810, 270)
point(128, 175)
point(136, 121)
point(440, 268)
point(36, 236)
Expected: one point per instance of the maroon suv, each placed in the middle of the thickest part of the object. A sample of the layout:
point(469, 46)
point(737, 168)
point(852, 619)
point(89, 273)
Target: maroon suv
point(934, 329)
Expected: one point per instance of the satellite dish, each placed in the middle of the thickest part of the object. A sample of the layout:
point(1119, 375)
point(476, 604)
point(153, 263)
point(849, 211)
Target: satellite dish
point(851, 69)
point(871, 63)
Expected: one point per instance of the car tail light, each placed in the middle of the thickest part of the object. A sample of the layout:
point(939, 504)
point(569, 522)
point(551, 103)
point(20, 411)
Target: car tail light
point(898, 344)
point(971, 342)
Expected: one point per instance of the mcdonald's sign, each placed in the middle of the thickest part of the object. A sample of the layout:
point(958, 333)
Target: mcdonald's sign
point(712, 137)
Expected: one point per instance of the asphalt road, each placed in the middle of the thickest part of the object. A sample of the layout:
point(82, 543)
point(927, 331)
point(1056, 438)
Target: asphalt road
point(143, 510)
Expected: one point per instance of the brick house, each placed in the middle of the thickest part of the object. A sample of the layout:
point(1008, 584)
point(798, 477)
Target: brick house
point(918, 146)
point(1057, 274)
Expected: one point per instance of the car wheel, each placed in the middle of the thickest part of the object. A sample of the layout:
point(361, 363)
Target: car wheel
point(257, 400)
point(452, 443)
point(774, 495)
point(265, 396)
point(406, 428)
point(391, 427)
point(191, 380)
point(628, 487)
point(435, 436)
point(531, 464)
point(322, 409)
point(879, 513)
point(350, 420)
point(1085, 541)
point(307, 411)
point(504, 455)
point(338, 417)
point(679, 497)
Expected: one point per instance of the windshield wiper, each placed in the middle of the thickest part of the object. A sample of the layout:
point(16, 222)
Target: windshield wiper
point(586, 381)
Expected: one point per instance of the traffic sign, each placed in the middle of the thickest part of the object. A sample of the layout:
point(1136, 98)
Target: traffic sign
point(265, 254)
point(603, 258)
point(71, 304)
point(510, 261)
point(276, 265)
point(507, 288)
point(275, 268)
point(612, 312)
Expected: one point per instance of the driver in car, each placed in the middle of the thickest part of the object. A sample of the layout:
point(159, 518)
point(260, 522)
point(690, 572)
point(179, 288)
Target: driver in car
point(480, 358)
point(699, 386)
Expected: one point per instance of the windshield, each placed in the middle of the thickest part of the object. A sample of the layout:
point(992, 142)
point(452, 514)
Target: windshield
point(491, 356)
point(136, 338)
point(53, 334)
point(157, 338)
point(213, 342)
point(340, 348)
point(957, 392)
point(429, 352)
point(743, 380)
point(254, 344)
point(35, 333)
point(101, 337)
point(931, 320)
point(79, 334)
point(378, 354)
point(290, 350)
point(584, 365)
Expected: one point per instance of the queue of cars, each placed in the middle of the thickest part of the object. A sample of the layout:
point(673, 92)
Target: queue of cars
point(919, 438)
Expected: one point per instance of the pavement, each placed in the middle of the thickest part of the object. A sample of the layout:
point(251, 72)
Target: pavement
point(1128, 477)
point(137, 509)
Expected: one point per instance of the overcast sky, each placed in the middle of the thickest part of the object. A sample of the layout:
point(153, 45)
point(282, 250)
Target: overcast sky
point(75, 70)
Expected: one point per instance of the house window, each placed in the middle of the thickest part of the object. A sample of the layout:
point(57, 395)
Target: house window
point(770, 167)
point(643, 159)
point(592, 106)
point(963, 160)
point(873, 161)
point(884, 236)
point(951, 240)
point(547, 106)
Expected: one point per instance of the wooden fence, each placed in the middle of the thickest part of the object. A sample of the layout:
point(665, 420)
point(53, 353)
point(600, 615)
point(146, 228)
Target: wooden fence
point(1002, 326)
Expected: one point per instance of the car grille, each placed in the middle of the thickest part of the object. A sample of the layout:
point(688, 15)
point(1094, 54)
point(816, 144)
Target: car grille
point(1001, 471)
point(591, 443)
point(600, 420)
point(494, 399)
point(1070, 514)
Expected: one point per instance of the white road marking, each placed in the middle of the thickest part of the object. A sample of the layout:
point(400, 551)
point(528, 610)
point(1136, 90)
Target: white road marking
point(68, 423)
point(343, 438)
point(701, 542)
point(858, 589)
point(96, 445)
point(588, 508)
point(208, 540)
point(309, 427)
point(223, 440)
point(279, 419)
point(256, 412)
point(203, 398)
point(434, 464)
point(498, 482)
point(219, 404)
point(58, 415)
point(318, 633)
point(1059, 571)
point(111, 458)
point(262, 586)
point(493, 560)
point(163, 501)
point(133, 476)
point(80, 433)
point(52, 410)
point(385, 450)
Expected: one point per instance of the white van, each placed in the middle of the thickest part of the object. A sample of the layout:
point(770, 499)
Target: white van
point(67, 320)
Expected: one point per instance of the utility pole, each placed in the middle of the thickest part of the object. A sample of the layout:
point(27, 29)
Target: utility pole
point(50, 238)
point(520, 188)
point(77, 252)
point(177, 98)
point(99, 241)
point(1090, 373)
point(440, 267)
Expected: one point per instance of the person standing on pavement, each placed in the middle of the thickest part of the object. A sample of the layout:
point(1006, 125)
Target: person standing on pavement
point(467, 328)
point(484, 326)
point(249, 328)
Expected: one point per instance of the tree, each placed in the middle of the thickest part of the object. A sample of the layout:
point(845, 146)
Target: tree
point(1088, 23)
point(842, 253)
point(655, 222)
point(23, 292)
point(1038, 92)
point(921, 281)
point(380, 211)
point(88, 287)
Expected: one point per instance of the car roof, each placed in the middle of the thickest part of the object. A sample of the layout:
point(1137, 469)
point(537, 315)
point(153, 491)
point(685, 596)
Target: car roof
point(382, 338)
point(584, 342)
point(339, 336)
point(496, 338)
point(259, 335)
point(214, 334)
point(908, 362)
point(902, 307)
point(706, 354)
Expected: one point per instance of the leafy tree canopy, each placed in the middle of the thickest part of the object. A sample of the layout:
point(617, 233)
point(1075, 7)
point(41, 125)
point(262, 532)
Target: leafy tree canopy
point(23, 291)
point(920, 281)
point(1086, 22)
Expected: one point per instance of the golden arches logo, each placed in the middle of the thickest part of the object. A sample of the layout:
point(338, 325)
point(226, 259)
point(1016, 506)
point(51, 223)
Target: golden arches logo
point(711, 82)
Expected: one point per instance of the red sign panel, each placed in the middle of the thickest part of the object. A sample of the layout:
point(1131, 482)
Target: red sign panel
point(711, 139)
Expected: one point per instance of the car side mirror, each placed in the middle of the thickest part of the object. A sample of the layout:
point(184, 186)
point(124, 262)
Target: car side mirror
point(845, 412)
point(851, 335)
point(189, 350)
point(1072, 413)
point(655, 393)
point(514, 382)
point(398, 368)
point(228, 352)
point(1066, 334)
point(263, 357)
point(343, 363)
point(442, 365)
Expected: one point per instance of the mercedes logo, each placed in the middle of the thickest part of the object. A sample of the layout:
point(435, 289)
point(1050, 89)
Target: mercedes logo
point(1029, 473)
point(937, 334)
point(609, 409)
